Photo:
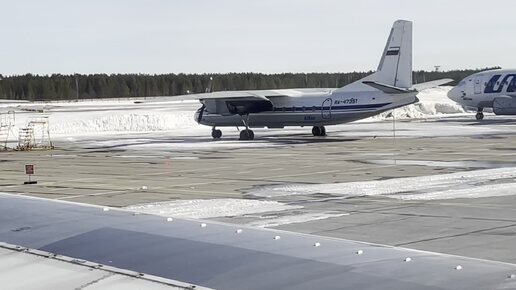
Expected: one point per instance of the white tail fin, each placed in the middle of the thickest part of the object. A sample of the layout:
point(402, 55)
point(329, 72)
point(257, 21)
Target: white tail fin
point(395, 67)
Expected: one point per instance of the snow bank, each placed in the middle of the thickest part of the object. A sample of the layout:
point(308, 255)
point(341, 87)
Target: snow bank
point(211, 208)
point(470, 184)
point(106, 116)
point(113, 122)
point(432, 103)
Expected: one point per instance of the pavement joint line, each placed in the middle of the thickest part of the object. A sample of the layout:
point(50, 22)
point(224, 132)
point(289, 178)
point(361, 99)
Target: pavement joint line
point(89, 194)
point(455, 235)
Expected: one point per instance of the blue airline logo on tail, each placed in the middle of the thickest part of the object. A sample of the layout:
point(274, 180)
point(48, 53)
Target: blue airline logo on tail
point(509, 80)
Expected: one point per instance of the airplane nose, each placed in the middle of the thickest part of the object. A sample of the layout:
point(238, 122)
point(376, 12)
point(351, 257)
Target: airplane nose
point(454, 94)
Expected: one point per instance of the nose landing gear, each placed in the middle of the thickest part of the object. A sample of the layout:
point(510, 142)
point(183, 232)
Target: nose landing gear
point(215, 133)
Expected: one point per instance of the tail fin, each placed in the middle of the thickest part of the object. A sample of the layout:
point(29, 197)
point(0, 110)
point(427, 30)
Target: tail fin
point(395, 67)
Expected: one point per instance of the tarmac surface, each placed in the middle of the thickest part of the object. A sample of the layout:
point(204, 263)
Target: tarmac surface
point(89, 171)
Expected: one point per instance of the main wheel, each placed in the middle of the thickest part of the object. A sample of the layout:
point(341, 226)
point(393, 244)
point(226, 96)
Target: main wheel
point(323, 131)
point(216, 134)
point(479, 116)
point(246, 134)
point(316, 131)
point(319, 131)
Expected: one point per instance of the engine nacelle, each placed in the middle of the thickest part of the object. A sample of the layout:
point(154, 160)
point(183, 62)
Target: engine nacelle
point(504, 106)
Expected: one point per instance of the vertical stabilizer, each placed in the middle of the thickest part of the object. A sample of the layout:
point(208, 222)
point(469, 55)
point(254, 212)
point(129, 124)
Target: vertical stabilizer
point(395, 66)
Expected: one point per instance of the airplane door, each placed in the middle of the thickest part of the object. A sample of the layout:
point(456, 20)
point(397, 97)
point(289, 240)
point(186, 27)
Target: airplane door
point(326, 109)
point(478, 84)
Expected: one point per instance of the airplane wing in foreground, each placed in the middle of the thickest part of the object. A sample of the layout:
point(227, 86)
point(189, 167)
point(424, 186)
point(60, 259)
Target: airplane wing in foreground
point(222, 256)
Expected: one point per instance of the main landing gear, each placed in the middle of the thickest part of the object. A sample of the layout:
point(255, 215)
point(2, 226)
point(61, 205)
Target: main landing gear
point(480, 114)
point(246, 134)
point(319, 131)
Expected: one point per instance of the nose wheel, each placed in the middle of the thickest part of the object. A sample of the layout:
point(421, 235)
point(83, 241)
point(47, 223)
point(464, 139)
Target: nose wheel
point(480, 114)
point(319, 131)
point(216, 133)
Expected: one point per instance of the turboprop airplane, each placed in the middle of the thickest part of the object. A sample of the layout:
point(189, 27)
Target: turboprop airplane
point(388, 88)
point(488, 89)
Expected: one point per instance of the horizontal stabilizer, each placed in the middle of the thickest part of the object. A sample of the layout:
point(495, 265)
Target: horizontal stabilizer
point(387, 88)
point(431, 84)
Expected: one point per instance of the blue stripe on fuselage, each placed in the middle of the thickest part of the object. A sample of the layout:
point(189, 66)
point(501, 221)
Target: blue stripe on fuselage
point(332, 108)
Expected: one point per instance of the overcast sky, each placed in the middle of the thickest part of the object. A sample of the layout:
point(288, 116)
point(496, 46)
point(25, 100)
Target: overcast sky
point(198, 36)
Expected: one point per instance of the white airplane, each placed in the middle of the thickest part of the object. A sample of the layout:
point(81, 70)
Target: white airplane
point(488, 89)
point(388, 88)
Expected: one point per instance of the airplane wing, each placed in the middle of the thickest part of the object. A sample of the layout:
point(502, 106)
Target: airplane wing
point(221, 256)
point(431, 84)
point(229, 95)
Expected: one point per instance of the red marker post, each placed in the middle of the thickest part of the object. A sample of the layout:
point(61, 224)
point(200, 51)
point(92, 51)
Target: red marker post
point(29, 170)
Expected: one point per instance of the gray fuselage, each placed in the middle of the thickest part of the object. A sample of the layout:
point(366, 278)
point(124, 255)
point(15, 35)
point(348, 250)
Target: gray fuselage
point(305, 107)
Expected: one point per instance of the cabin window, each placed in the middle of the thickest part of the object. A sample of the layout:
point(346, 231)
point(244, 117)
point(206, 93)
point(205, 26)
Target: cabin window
point(283, 109)
point(304, 109)
point(313, 109)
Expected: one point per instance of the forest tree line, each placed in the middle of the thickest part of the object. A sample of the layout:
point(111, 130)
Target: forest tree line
point(71, 87)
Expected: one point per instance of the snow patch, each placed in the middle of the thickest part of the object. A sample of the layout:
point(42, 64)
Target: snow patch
point(210, 208)
point(268, 222)
point(469, 184)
